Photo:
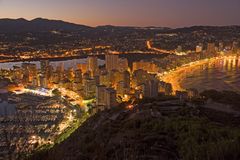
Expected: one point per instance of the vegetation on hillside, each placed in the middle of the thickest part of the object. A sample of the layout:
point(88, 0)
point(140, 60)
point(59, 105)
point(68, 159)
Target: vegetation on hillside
point(225, 97)
point(146, 133)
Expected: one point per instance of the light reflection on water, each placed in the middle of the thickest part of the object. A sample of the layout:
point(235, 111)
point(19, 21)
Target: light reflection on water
point(222, 74)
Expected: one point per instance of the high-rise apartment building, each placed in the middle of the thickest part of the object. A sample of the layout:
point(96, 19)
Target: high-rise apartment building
point(111, 62)
point(92, 65)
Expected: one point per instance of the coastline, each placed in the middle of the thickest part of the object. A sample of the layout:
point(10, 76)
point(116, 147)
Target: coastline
point(173, 77)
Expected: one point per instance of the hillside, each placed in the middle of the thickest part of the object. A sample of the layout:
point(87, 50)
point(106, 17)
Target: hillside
point(155, 129)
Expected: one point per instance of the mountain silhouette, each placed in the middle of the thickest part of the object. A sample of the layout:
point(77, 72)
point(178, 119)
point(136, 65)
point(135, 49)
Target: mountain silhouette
point(37, 25)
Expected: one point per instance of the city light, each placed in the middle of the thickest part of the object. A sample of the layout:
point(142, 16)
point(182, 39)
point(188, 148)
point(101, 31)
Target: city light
point(40, 92)
point(130, 107)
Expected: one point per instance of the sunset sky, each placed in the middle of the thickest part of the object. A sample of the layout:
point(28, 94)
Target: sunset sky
point(171, 13)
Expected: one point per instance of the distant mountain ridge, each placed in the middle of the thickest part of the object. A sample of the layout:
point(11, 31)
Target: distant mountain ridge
point(22, 25)
point(37, 25)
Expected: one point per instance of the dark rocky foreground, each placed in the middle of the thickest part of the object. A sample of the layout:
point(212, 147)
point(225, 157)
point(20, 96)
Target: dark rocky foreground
point(154, 129)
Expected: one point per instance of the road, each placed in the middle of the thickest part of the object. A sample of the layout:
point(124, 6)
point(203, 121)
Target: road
point(149, 46)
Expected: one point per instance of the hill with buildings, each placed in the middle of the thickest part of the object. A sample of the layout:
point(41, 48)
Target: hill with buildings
point(40, 36)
